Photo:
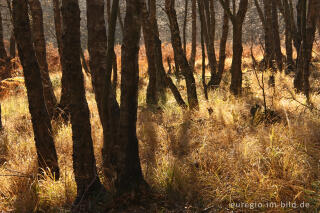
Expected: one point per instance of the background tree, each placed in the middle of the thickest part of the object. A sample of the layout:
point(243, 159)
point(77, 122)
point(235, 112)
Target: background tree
point(3, 52)
point(47, 156)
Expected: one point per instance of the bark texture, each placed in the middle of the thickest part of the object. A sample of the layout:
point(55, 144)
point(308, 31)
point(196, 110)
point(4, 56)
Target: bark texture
point(41, 54)
point(90, 192)
point(3, 52)
point(46, 152)
point(129, 175)
point(180, 56)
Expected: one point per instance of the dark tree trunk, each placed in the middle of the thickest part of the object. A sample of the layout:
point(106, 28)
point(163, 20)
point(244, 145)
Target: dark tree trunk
point(185, 22)
point(3, 52)
point(285, 10)
point(148, 34)
point(157, 85)
point(101, 68)
point(222, 52)
point(181, 57)
point(237, 22)
point(205, 19)
point(203, 52)
point(58, 24)
point(194, 34)
point(47, 156)
point(269, 47)
point(41, 54)
point(276, 35)
point(12, 46)
point(129, 175)
point(309, 21)
point(89, 188)
point(63, 106)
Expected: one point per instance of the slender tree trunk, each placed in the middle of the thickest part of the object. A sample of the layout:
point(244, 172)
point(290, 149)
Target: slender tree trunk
point(89, 188)
point(41, 53)
point(47, 156)
point(203, 52)
point(3, 52)
point(129, 175)
point(223, 44)
point(63, 105)
point(181, 57)
point(12, 46)
point(185, 22)
point(276, 35)
point(269, 47)
point(194, 34)
point(58, 24)
point(301, 23)
point(285, 10)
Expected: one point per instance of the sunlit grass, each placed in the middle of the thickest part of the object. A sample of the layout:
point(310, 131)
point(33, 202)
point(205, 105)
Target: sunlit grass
point(209, 157)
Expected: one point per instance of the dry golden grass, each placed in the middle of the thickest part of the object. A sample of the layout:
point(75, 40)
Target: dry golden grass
point(198, 159)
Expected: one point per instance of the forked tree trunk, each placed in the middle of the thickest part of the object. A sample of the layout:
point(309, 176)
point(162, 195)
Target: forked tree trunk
point(237, 22)
point(194, 34)
point(3, 52)
point(181, 57)
point(41, 54)
point(90, 191)
point(129, 175)
point(47, 156)
point(205, 20)
point(101, 68)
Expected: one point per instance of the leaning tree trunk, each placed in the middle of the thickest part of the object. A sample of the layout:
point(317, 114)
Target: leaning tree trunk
point(40, 48)
point(181, 57)
point(101, 68)
point(3, 53)
point(223, 44)
point(129, 175)
point(89, 188)
point(47, 156)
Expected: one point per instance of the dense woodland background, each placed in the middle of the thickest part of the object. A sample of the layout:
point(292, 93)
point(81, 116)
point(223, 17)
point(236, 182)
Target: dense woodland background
point(159, 106)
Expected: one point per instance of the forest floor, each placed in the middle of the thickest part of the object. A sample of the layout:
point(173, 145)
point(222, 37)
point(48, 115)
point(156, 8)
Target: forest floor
point(217, 159)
